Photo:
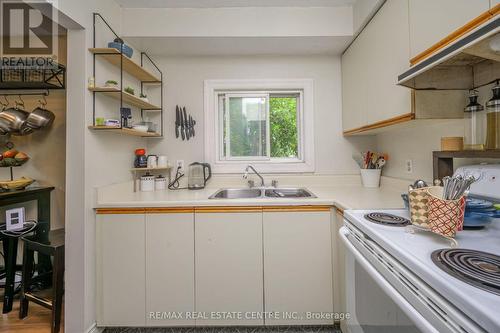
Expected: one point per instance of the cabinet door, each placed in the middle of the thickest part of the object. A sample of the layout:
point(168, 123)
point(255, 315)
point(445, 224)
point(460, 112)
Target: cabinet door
point(120, 270)
point(431, 20)
point(370, 68)
point(170, 269)
point(228, 261)
point(297, 267)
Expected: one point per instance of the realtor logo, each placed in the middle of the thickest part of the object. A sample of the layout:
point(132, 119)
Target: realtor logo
point(27, 28)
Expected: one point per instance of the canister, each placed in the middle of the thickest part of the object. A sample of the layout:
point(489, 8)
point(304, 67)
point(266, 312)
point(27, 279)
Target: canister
point(147, 183)
point(493, 119)
point(160, 183)
point(475, 124)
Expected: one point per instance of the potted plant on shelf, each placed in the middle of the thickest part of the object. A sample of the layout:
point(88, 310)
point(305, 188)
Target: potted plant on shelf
point(111, 84)
point(129, 90)
point(144, 97)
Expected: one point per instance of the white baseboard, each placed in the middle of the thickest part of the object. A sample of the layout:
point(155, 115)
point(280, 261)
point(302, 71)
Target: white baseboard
point(95, 329)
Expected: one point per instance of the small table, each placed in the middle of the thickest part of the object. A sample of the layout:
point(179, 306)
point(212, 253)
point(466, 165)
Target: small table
point(42, 195)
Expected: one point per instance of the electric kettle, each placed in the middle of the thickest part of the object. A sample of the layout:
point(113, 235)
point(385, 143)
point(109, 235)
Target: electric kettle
point(198, 174)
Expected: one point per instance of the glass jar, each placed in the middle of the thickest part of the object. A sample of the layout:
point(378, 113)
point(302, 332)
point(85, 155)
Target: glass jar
point(493, 119)
point(475, 124)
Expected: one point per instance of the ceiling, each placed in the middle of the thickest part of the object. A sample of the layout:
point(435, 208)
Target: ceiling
point(240, 46)
point(230, 3)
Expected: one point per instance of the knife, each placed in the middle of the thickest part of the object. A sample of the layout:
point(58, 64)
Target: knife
point(177, 121)
point(191, 124)
point(182, 125)
point(186, 124)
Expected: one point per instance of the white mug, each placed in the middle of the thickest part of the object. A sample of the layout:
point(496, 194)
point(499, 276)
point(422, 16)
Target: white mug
point(152, 161)
point(162, 161)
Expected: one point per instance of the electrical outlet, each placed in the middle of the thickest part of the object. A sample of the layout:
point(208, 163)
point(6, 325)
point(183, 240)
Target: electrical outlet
point(180, 163)
point(409, 166)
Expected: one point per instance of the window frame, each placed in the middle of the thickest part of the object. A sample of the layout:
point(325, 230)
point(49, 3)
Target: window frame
point(305, 125)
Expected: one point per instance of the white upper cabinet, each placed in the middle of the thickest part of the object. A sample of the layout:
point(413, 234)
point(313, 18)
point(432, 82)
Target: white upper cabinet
point(169, 268)
point(298, 267)
point(229, 267)
point(371, 65)
point(431, 20)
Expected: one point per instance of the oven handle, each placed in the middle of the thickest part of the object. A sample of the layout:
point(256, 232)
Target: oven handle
point(410, 311)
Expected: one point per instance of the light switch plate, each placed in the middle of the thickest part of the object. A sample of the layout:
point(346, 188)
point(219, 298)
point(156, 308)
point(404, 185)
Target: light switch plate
point(14, 218)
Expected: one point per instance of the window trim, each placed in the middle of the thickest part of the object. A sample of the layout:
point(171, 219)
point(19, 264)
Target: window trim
point(305, 162)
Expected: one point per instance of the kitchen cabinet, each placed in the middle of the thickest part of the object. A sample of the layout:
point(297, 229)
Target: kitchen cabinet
point(339, 267)
point(170, 267)
point(120, 270)
point(431, 20)
point(371, 98)
point(370, 67)
point(229, 268)
point(298, 266)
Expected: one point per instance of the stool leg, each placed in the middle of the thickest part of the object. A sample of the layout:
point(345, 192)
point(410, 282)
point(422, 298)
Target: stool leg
point(10, 253)
point(57, 289)
point(26, 281)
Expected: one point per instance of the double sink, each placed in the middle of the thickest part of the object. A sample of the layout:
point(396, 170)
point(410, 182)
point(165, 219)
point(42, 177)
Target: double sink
point(253, 193)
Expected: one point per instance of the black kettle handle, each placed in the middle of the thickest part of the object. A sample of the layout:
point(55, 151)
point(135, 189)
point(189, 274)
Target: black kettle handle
point(207, 166)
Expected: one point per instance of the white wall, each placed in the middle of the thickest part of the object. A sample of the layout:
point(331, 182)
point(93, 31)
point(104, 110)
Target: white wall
point(185, 77)
point(93, 159)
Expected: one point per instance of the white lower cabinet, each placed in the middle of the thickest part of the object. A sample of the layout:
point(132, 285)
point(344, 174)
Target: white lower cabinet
point(170, 269)
point(298, 267)
point(228, 261)
point(217, 267)
point(121, 277)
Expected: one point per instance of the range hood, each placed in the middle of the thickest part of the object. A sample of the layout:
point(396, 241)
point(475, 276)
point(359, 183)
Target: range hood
point(470, 61)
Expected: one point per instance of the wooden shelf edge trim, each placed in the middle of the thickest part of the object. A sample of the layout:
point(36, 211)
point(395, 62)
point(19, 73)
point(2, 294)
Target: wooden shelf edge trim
point(384, 123)
point(106, 211)
point(469, 26)
point(215, 209)
point(228, 209)
point(169, 210)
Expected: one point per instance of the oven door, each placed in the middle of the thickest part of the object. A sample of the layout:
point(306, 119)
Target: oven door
point(371, 302)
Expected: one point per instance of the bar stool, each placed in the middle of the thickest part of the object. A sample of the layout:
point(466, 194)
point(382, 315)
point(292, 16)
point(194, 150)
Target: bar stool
point(53, 247)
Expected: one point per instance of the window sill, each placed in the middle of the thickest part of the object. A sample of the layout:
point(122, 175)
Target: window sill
point(262, 167)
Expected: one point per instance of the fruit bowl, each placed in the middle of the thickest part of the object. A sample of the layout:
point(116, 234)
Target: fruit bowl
point(16, 184)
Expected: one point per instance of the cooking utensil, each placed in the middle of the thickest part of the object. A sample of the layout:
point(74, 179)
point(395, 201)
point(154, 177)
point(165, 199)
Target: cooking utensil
point(419, 184)
point(177, 123)
point(186, 124)
point(40, 117)
point(14, 118)
point(193, 123)
point(183, 135)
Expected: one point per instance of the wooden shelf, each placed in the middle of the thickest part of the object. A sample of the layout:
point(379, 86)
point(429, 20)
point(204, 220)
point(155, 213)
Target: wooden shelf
point(126, 131)
point(113, 56)
point(127, 98)
point(150, 169)
point(443, 160)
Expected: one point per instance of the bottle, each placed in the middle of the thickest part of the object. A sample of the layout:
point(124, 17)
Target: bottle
point(493, 119)
point(475, 123)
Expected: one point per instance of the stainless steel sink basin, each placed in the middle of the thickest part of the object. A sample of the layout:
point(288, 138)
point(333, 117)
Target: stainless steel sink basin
point(288, 193)
point(237, 193)
point(252, 193)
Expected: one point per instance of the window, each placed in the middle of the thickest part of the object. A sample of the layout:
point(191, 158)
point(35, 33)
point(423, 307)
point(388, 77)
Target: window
point(264, 123)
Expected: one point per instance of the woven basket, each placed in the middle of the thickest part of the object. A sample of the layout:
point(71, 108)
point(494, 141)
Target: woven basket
point(445, 217)
point(419, 211)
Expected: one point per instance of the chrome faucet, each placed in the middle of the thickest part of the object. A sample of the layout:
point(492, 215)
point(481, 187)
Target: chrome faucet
point(245, 176)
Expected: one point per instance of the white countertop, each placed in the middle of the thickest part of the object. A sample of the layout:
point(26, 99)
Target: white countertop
point(344, 192)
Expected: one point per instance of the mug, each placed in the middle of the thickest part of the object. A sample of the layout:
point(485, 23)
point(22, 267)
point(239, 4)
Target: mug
point(152, 161)
point(162, 161)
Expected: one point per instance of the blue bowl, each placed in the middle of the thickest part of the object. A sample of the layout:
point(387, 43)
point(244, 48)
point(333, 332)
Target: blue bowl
point(126, 50)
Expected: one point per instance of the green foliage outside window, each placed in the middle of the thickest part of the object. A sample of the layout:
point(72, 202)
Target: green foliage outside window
point(283, 117)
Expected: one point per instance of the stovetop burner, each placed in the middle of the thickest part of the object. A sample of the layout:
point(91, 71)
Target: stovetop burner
point(476, 268)
point(387, 219)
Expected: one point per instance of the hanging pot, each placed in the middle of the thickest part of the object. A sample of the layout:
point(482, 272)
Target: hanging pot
point(40, 118)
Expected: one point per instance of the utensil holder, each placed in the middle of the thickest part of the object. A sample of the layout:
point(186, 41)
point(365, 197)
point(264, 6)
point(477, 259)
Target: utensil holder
point(370, 177)
point(419, 211)
point(445, 217)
